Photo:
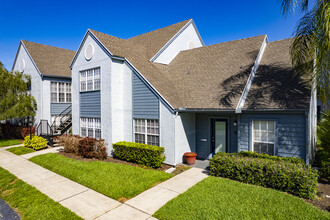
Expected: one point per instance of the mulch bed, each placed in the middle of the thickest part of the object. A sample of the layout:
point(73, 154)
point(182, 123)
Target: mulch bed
point(322, 201)
point(112, 160)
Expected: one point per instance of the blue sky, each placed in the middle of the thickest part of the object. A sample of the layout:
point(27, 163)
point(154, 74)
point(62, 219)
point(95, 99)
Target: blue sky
point(64, 23)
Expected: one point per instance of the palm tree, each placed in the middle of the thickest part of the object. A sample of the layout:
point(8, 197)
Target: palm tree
point(310, 52)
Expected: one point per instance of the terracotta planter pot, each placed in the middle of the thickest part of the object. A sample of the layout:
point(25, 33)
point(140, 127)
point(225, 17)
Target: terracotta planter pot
point(190, 157)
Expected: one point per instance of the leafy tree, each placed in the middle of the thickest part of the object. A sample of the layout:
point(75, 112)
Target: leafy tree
point(310, 49)
point(15, 102)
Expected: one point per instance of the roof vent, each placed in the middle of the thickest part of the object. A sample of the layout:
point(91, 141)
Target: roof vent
point(191, 45)
point(21, 65)
point(89, 52)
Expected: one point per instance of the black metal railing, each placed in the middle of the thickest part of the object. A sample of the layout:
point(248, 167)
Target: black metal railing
point(62, 119)
point(44, 129)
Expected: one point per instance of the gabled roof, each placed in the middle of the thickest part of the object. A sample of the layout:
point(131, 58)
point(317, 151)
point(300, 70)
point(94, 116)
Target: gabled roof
point(153, 41)
point(276, 85)
point(51, 61)
point(195, 78)
point(213, 77)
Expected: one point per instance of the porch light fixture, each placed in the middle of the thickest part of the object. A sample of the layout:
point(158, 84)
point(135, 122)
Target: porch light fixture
point(235, 123)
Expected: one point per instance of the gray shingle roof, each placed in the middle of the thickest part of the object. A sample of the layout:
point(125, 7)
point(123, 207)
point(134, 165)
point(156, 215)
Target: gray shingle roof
point(50, 60)
point(214, 77)
point(276, 85)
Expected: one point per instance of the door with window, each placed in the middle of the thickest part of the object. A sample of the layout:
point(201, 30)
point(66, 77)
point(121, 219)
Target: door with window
point(219, 136)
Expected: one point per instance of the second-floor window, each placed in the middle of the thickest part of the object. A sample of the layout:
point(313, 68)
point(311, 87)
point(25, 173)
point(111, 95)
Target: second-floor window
point(60, 92)
point(90, 80)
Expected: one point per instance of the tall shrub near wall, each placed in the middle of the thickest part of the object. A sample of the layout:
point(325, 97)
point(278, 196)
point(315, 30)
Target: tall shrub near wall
point(143, 154)
point(295, 178)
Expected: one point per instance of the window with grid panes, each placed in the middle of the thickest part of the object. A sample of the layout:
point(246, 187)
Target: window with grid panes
point(146, 131)
point(60, 92)
point(90, 127)
point(90, 79)
point(264, 137)
point(53, 91)
point(68, 92)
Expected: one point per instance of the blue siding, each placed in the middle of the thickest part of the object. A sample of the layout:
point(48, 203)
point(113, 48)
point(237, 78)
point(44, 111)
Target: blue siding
point(90, 104)
point(290, 133)
point(58, 108)
point(203, 131)
point(145, 102)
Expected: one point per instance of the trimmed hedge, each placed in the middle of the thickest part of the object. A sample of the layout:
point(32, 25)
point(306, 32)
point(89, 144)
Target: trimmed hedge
point(36, 143)
point(143, 154)
point(266, 156)
point(295, 178)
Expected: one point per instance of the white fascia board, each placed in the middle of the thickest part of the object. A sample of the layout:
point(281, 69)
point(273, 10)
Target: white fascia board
point(34, 64)
point(80, 46)
point(199, 36)
point(170, 41)
point(134, 69)
point(248, 84)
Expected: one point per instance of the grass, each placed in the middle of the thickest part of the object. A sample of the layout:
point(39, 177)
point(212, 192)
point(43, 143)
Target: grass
point(218, 198)
point(28, 201)
point(117, 181)
point(9, 142)
point(20, 150)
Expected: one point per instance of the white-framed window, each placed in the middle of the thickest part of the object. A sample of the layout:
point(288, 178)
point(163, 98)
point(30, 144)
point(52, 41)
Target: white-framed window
point(90, 79)
point(90, 127)
point(263, 137)
point(146, 131)
point(60, 92)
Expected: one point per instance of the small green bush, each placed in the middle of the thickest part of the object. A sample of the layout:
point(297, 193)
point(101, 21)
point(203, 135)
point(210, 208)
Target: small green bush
point(143, 154)
point(295, 178)
point(36, 143)
point(266, 156)
point(325, 170)
point(323, 131)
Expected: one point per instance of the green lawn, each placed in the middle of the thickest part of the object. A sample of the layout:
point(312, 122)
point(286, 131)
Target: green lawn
point(30, 203)
point(9, 142)
point(218, 198)
point(111, 179)
point(20, 150)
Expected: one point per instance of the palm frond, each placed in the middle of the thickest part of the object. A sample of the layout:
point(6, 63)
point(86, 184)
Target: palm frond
point(289, 6)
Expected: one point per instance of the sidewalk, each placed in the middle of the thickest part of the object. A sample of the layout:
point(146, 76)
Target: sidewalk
point(90, 204)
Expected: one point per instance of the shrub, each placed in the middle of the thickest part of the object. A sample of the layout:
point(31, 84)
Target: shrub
point(86, 147)
point(101, 150)
point(25, 131)
point(36, 143)
point(323, 131)
point(143, 154)
point(70, 143)
point(266, 156)
point(295, 178)
point(325, 170)
point(91, 147)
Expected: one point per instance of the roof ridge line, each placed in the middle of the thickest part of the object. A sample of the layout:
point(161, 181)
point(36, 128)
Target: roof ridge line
point(248, 84)
point(170, 40)
point(46, 45)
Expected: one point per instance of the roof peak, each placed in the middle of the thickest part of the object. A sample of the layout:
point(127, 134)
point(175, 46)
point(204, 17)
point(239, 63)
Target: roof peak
point(26, 41)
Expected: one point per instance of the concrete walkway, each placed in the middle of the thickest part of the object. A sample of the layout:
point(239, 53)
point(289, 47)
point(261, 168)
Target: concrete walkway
point(90, 204)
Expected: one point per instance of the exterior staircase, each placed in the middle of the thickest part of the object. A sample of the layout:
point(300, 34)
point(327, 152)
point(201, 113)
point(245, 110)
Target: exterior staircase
point(62, 123)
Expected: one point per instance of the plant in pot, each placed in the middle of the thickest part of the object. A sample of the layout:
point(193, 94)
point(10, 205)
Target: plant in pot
point(190, 157)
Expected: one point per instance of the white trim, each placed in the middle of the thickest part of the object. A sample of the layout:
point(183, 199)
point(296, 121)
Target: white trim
point(174, 37)
point(248, 84)
point(252, 145)
point(26, 50)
